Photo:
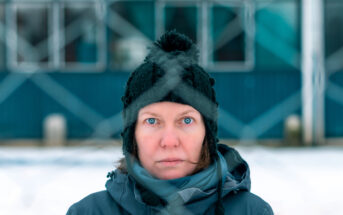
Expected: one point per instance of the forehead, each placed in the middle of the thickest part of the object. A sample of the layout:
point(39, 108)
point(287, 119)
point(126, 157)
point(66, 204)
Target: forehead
point(161, 108)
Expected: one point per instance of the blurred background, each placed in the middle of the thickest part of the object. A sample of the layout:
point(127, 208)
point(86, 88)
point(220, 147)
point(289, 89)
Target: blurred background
point(278, 66)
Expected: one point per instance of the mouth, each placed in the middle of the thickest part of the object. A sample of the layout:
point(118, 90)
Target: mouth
point(170, 162)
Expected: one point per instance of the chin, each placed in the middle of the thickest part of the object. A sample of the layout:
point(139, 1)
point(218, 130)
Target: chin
point(171, 175)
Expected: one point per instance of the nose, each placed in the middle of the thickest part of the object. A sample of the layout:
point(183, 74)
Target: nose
point(170, 138)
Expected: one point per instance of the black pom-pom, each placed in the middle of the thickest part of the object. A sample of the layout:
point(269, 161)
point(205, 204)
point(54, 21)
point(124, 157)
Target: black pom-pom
point(175, 44)
point(174, 41)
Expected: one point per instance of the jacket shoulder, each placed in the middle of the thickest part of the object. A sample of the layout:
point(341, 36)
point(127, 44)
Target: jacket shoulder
point(245, 202)
point(96, 204)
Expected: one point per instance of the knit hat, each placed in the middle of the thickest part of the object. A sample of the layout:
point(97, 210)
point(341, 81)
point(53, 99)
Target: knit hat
point(170, 72)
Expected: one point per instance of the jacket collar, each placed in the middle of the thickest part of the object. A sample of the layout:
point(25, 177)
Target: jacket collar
point(125, 190)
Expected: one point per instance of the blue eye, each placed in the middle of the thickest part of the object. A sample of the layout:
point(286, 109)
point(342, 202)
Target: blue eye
point(187, 120)
point(151, 121)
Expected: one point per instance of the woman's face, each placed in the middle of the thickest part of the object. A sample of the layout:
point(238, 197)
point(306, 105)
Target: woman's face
point(169, 137)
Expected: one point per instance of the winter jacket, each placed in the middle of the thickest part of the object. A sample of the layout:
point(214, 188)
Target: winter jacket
point(123, 195)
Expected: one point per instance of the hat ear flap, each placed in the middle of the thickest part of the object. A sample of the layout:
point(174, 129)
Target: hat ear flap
point(211, 137)
point(128, 137)
point(212, 81)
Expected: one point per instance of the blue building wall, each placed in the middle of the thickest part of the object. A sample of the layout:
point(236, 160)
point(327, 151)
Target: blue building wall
point(253, 103)
point(244, 95)
point(334, 105)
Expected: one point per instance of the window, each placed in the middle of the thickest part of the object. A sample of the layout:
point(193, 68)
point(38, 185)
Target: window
point(30, 26)
point(334, 35)
point(278, 32)
point(131, 29)
point(90, 35)
point(183, 18)
point(229, 44)
point(83, 36)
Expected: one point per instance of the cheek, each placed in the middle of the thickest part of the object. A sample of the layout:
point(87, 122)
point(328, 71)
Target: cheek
point(142, 146)
point(143, 153)
point(193, 146)
point(146, 147)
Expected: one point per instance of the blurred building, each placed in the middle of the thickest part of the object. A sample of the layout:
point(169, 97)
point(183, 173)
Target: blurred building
point(73, 58)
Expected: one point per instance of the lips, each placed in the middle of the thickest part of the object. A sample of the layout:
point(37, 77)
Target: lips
point(169, 162)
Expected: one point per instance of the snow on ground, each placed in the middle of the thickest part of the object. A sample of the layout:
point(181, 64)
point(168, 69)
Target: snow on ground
point(41, 181)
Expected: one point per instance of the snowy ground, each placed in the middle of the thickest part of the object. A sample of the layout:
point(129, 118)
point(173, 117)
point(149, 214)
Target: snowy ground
point(41, 181)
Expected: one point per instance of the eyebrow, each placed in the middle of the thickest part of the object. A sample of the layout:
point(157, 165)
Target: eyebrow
point(186, 112)
point(150, 113)
point(157, 115)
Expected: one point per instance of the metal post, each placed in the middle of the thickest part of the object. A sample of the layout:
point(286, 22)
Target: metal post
point(312, 72)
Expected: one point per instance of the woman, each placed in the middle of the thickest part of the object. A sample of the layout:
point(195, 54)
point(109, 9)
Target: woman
point(173, 163)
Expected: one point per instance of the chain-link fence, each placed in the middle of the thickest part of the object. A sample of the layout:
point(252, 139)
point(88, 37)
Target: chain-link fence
point(73, 58)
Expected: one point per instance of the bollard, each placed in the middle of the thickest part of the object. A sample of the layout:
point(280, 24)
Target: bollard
point(54, 130)
point(292, 130)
